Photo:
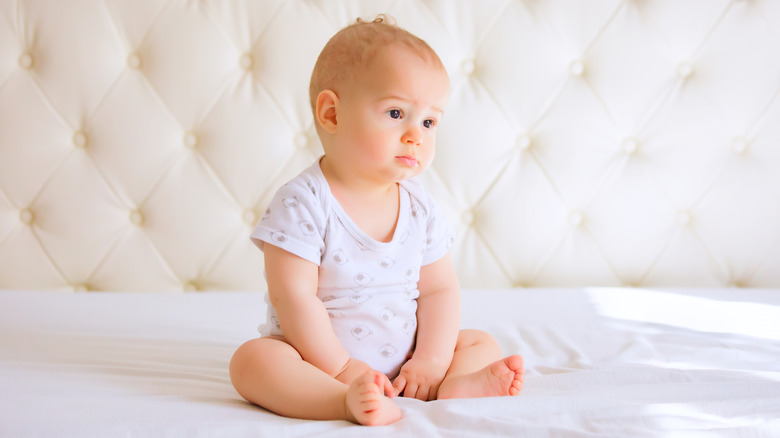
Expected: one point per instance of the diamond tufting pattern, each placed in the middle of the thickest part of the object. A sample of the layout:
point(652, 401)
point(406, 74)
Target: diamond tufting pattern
point(609, 142)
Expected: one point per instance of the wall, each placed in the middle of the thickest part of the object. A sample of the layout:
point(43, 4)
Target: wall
point(605, 142)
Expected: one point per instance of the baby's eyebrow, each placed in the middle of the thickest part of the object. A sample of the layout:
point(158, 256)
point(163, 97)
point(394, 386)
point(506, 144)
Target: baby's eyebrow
point(408, 100)
point(395, 97)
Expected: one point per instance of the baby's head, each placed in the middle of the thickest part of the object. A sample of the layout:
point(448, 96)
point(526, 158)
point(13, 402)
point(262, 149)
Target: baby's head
point(375, 90)
point(350, 50)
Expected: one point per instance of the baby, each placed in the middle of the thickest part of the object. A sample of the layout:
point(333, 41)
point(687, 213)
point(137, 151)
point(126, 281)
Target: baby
point(364, 300)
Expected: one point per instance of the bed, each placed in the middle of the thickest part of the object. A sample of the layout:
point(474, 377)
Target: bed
point(611, 169)
point(599, 362)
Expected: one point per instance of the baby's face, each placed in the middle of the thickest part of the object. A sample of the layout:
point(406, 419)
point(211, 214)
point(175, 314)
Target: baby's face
point(389, 116)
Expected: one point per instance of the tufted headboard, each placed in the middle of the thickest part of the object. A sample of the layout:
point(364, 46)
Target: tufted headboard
point(601, 142)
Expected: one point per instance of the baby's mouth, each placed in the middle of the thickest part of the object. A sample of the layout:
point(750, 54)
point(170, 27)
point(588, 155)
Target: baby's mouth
point(408, 160)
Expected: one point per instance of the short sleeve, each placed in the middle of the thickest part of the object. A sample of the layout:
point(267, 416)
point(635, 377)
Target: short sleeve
point(294, 221)
point(439, 233)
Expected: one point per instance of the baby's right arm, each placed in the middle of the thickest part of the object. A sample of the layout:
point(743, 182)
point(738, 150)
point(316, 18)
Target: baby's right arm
point(292, 290)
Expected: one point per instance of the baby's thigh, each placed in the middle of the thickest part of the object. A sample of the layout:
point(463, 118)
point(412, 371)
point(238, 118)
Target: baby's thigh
point(270, 372)
point(261, 356)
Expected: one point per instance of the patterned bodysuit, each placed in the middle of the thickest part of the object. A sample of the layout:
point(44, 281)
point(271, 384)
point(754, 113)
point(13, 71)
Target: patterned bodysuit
point(369, 288)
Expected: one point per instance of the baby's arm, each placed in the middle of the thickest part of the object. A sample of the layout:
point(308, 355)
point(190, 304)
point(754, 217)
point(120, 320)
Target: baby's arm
point(292, 289)
point(438, 324)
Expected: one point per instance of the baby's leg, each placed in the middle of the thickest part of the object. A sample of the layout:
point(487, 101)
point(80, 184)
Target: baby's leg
point(477, 369)
point(270, 373)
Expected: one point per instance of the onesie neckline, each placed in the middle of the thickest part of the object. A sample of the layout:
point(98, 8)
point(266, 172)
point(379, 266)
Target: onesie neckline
point(404, 206)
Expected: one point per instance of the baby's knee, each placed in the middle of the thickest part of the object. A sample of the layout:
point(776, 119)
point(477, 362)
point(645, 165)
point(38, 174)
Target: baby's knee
point(253, 356)
point(471, 337)
point(241, 359)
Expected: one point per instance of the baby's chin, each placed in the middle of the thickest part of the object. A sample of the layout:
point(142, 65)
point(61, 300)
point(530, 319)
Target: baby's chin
point(409, 173)
point(421, 167)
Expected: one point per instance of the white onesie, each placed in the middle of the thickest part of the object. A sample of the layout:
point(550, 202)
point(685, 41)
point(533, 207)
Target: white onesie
point(369, 288)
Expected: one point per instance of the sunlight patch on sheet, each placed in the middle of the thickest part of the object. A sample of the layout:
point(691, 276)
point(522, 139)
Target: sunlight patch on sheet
point(687, 311)
point(701, 366)
point(691, 419)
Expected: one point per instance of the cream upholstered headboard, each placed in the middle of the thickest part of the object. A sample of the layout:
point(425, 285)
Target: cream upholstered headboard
point(607, 142)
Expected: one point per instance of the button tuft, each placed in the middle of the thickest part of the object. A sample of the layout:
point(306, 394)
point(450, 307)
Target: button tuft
point(469, 217)
point(191, 140)
point(81, 287)
point(684, 70)
point(576, 218)
point(26, 61)
point(190, 286)
point(134, 60)
point(630, 145)
point(524, 141)
point(249, 216)
point(684, 218)
point(80, 139)
point(246, 61)
point(739, 145)
point(301, 140)
point(137, 217)
point(468, 67)
point(27, 216)
point(577, 68)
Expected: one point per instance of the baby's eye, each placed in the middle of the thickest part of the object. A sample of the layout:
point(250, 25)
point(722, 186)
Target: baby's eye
point(394, 113)
point(430, 123)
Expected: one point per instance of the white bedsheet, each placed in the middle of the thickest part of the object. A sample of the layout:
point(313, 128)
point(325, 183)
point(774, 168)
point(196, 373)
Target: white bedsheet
point(607, 362)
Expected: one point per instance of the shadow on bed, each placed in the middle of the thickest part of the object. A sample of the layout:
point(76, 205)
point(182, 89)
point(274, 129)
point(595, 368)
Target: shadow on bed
point(116, 363)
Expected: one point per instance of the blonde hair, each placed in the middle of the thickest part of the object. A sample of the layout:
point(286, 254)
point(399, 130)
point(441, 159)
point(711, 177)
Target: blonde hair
point(356, 46)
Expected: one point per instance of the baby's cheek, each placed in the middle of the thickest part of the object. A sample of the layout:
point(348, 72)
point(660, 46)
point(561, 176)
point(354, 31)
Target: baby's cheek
point(426, 158)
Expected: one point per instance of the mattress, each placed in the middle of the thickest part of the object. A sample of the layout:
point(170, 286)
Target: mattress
point(599, 362)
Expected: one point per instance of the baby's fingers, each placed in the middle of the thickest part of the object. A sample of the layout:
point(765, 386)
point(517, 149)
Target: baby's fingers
point(399, 384)
point(389, 390)
point(412, 390)
point(433, 392)
point(422, 393)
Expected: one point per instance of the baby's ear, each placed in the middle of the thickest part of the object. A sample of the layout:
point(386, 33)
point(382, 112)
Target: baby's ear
point(326, 112)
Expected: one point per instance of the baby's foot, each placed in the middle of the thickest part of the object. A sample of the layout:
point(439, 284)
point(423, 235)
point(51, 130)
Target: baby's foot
point(366, 402)
point(502, 377)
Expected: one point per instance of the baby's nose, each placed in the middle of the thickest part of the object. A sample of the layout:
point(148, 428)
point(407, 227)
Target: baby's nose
point(412, 136)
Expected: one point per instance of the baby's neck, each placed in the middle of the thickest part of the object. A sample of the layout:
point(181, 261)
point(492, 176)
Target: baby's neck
point(372, 207)
point(353, 186)
point(376, 213)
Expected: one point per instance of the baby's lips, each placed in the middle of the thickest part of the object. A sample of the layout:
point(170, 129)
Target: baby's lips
point(408, 160)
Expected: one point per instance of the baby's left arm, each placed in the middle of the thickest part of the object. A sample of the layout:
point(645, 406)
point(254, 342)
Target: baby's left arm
point(438, 324)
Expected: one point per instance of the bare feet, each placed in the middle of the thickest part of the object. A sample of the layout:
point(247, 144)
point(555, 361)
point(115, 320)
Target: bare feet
point(366, 402)
point(502, 377)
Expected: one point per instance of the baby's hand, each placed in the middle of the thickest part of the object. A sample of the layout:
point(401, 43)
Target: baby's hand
point(420, 379)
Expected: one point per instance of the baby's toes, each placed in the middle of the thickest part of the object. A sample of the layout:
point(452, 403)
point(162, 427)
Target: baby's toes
point(515, 388)
point(370, 406)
